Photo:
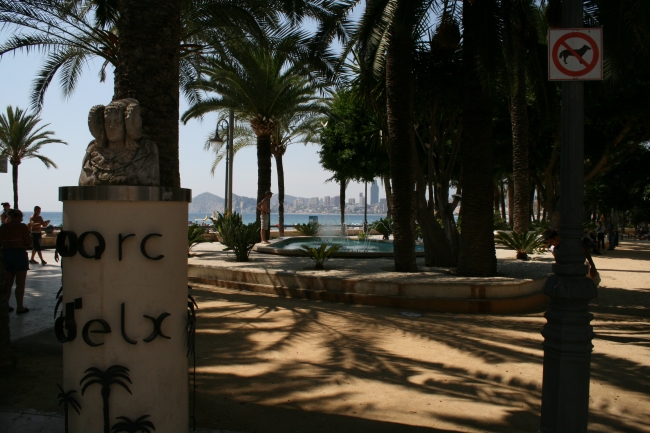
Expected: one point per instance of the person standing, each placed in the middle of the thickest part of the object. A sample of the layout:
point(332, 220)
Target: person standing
point(5, 209)
point(600, 231)
point(36, 223)
point(265, 215)
point(14, 241)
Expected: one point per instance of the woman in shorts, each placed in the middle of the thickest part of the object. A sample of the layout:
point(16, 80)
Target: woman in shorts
point(14, 241)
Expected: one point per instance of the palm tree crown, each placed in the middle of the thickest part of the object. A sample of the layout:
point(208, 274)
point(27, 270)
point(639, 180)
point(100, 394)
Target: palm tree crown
point(266, 84)
point(21, 138)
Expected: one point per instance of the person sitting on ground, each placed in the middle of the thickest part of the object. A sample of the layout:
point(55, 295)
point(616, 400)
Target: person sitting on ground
point(36, 223)
point(553, 241)
point(265, 215)
point(5, 209)
point(14, 241)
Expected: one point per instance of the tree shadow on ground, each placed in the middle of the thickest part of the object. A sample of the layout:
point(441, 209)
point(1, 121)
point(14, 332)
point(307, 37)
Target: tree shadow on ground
point(351, 351)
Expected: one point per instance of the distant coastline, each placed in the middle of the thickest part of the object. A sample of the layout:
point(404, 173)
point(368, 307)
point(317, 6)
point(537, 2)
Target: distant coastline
point(56, 218)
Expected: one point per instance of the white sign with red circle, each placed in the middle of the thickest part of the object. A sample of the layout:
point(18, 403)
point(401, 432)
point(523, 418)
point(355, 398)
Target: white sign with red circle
point(575, 54)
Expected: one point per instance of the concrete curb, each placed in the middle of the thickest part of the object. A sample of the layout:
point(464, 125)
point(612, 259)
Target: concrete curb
point(497, 297)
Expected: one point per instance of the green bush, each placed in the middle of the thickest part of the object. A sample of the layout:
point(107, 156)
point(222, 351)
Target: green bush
point(309, 229)
point(321, 254)
point(194, 235)
point(499, 223)
point(383, 226)
point(524, 243)
point(235, 235)
point(363, 235)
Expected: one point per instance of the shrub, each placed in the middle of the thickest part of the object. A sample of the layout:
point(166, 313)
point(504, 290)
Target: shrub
point(309, 229)
point(321, 254)
point(363, 235)
point(383, 226)
point(235, 235)
point(499, 223)
point(195, 235)
point(524, 243)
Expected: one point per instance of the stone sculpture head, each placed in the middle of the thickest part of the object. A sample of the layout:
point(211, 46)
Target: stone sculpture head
point(117, 125)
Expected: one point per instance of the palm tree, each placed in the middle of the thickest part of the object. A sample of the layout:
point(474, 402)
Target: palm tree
point(300, 127)
point(128, 426)
point(112, 376)
point(68, 401)
point(264, 84)
point(520, 36)
point(73, 32)
point(21, 138)
point(388, 27)
point(477, 254)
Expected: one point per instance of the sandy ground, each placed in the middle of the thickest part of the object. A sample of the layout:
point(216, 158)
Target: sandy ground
point(268, 364)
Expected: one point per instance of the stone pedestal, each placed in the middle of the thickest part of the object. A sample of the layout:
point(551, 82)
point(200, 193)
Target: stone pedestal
point(124, 319)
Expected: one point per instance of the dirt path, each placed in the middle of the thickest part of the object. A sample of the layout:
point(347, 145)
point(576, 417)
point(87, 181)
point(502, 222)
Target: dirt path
point(267, 364)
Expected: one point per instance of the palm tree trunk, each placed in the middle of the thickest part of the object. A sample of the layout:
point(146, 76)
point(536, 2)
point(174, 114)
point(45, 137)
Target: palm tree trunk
point(503, 199)
point(263, 169)
point(148, 67)
point(14, 178)
point(511, 207)
point(342, 185)
point(401, 136)
point(6, 359)
point(280, 168)
point(520, 164)
point(477, 256)
point(437, 247)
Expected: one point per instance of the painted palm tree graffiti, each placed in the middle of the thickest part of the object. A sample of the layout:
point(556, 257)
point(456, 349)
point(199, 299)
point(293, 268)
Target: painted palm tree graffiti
point(68, 401)
point(114, 375)
point(128, 426)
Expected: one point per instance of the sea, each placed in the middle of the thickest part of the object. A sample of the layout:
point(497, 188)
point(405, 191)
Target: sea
point(290, 219)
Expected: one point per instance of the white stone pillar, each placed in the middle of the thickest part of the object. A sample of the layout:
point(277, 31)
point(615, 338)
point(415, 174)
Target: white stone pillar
point(136, 288)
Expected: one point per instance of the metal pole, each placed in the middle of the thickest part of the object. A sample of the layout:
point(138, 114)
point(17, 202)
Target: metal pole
point(365, 209)
point(568, 332)
point(225, 195)
point(231, 153)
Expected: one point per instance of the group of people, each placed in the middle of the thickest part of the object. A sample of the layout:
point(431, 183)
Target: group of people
point(15, 238)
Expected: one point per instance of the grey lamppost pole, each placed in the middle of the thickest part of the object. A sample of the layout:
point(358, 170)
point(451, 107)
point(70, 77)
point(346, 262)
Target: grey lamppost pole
point(568, 332)
point(217, 141)
point(365, 209)
point(231, 154)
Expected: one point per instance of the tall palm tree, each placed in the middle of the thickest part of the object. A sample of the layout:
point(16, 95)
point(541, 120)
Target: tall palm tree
point(171, 32)
point(389, 27)
point(68, 402)
point(298, 127)
point(477, 254)
point(21, 138)
point(264, 84)
point(114, 375)
point(520, 37)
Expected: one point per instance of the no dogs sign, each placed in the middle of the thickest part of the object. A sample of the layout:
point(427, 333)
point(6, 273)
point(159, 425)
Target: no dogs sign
point(575, 54)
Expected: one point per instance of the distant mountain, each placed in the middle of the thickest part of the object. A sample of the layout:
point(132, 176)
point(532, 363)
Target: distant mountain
point(208, 202)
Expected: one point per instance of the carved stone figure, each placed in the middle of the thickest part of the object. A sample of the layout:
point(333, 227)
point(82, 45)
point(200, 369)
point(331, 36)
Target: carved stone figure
point(119, 154)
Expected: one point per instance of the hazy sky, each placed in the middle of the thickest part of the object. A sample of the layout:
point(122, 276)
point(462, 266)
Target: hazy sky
point(304, 177)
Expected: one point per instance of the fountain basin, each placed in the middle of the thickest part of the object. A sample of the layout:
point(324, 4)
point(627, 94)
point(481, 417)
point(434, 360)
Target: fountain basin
point(350, 247)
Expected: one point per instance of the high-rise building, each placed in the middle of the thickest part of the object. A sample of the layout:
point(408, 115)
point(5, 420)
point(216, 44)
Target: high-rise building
point(374, 193)
point(336, 200)
point(326, 200)
point(313, 200)
point(351, 201)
